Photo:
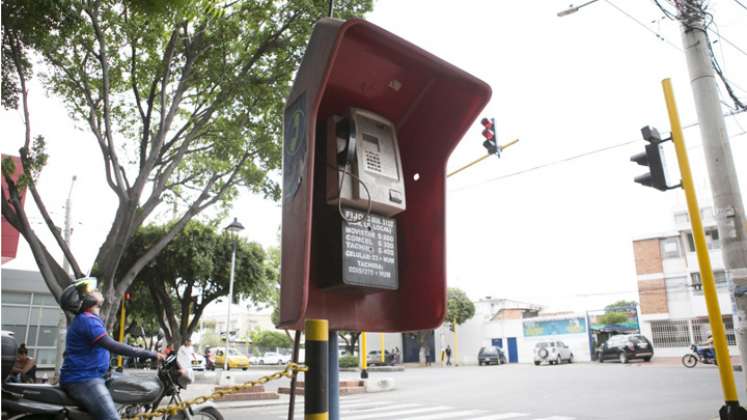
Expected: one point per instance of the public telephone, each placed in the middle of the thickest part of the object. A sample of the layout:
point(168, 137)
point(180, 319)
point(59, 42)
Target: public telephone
point(364, 168)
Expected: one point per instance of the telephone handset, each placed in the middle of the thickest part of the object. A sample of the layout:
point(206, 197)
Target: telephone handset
point(364, 168)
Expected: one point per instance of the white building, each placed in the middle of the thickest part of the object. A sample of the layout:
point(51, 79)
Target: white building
point(673, 311)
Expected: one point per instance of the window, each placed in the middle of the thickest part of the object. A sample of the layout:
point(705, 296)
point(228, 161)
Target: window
point(33, 318)
point(712, 239)
point(670, 247)
point(697, 284)
point(16, 297)
point(670, 333)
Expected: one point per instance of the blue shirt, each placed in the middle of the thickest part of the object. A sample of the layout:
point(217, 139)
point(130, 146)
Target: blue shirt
point(84, 359)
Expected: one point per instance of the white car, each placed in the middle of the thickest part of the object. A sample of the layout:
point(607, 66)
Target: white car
point(273, 358)
point(198, 362)
point(552, 352)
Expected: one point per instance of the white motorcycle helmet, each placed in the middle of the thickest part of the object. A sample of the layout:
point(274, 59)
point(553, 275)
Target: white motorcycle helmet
point(77, 297)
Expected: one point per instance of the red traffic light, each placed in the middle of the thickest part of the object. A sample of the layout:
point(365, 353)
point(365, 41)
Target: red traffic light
point(488, 134)
point(487, 123)
point(127, 295)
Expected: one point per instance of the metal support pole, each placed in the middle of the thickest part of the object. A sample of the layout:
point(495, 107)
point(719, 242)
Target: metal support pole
point(456, 345)
point(364, 356)
point(316, 385)
point(230, 302)
point(480, 159)
point(121, 333)
point(727, 199)
point(731, 409)
point(334, 378)
point(294, 377)
point(381, 347)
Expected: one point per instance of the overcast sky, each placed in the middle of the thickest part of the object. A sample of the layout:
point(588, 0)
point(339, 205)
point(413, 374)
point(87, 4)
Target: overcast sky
point(533, 225)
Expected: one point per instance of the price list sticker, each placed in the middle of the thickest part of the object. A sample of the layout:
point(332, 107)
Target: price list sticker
point(369, 251)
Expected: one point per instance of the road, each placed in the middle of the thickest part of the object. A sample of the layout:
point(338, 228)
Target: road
point(579, 391)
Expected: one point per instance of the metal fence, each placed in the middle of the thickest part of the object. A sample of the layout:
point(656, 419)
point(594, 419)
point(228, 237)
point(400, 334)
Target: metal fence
point(683, 332)
point(670, 333)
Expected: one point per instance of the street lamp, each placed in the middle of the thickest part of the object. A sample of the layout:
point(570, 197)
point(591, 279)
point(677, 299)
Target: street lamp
point(234, 228)
point(573, 9)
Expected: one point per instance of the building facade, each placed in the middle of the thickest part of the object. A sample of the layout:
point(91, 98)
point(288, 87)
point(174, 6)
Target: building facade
point(31, 313)
point(673, 312)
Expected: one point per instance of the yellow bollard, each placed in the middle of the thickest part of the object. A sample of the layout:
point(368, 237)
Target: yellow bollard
point(316, 380)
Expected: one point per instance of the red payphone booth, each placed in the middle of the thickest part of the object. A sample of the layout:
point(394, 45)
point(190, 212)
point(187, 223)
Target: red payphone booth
point(369, 126)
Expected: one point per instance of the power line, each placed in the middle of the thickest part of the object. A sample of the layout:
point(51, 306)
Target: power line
point(578, 156)
point(631, 17)
point(741, 4)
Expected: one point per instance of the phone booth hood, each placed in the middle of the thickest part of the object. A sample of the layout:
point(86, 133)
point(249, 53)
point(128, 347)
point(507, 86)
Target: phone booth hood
point(432, 104)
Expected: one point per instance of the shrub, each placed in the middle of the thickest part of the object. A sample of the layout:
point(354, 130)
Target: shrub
point(348, 361)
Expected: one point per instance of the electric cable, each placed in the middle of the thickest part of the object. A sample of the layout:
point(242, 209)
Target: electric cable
point(741, 4)
point(578, 156)
point(345, 171)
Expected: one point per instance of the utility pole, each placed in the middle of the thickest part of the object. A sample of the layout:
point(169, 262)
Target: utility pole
point(727, 201)
point(68, 230)
point(62, 324)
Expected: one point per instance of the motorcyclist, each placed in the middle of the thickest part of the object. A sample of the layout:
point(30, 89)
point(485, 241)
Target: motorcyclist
point(86, 359)
point(707, 350)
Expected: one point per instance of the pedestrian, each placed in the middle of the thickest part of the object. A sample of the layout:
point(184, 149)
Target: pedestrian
point(448, 355)
point(184, 357)
point(24, 368)
point(427, 356)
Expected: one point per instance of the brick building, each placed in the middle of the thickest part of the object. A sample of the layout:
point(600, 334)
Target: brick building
point(673, 312)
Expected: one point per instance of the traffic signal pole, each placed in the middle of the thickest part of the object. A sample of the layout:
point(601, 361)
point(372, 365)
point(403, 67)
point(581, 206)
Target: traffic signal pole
point(727, 200)
point(121, 332)
point(731, 410)
point(480, 159)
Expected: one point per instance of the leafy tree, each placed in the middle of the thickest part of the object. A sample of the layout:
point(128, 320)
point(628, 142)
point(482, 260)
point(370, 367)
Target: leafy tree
point(270, 340)
point(611, 318)
point(621, 305)
point(183, 98)
point(192, 271)
point(350, 338)
point(459, 308)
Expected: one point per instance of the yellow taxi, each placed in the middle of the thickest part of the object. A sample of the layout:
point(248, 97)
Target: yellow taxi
point(235, 359)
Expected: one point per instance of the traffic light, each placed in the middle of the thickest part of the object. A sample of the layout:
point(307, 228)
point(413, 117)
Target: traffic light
point(652, 157)
point(490, 142)
point(127, 296)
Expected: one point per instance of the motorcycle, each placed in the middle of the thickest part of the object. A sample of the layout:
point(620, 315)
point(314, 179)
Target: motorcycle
point(131, 394)
point(695, 355)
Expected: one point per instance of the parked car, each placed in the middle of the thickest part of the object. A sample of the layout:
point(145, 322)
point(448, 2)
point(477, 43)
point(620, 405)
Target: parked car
point(552, 352)
point(491, 355)
point(273, 358)
point(235, 359)
point(198, 361)
point(626, 347)
point(374, 358)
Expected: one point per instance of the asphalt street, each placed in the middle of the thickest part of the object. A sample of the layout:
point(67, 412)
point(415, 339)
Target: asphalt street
point(579, 391)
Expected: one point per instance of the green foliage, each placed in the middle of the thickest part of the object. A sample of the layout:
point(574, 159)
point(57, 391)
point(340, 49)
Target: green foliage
point(195, 263)
point(459, 307)
point(184, 98)
point(348, 361)
point(270, 340)
point(621, 305)
point(611, 318)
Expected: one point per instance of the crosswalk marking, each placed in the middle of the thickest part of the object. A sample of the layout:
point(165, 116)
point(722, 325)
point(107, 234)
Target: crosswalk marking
point(347, 410)
point(448, 415)
point(359, 403)
point(397, 413)
point(557, 418)
point(503, 416)
point(359, 408)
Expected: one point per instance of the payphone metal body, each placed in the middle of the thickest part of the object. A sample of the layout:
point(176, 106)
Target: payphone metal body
point(431, 104)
